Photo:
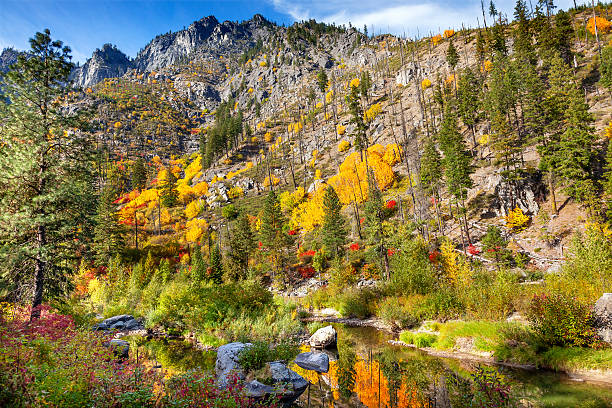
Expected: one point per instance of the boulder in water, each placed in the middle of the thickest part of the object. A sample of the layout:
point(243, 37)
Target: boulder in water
point(324, 337)
point(315, 361)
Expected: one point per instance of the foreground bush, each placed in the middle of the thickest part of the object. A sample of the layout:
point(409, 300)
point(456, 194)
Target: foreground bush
point(48, 362)
point(562, 320)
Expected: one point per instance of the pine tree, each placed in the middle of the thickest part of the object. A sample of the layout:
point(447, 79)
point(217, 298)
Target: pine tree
point(374, 217)
point(322, 80)
point(468, 96)
point(334, 225)
point(216, 265)
point(164, 270)
point(108, 232)
point(46, 196)
point(431, 174)
point(272, 220)
point(564, 34)
point(431, 168)
point(198, 266)
point(456, 162)
point(523, 46)
point(452, 57)
point(365, 83)
point(169, 194)
point(352, 99)
point(139, 175)
point(568, 147)
point(242, 244)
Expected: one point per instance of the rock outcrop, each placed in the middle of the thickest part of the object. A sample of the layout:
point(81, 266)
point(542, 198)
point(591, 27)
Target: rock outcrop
point(108, 62)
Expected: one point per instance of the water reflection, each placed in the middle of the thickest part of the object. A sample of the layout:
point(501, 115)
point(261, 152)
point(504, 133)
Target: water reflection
point(366, 371)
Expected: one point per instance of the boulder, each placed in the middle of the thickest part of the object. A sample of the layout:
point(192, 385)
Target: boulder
point(257, 390)
point(132, 325)
point(100, 327)
point(315, 361)
point(227, 362)
point(118, 326)
point(324, 337)
point(292, 384)
point(603, 317)
point(120, 318)
point(121, 348)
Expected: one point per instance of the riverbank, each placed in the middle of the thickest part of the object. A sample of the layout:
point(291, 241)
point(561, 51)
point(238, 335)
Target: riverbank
point(478, 341)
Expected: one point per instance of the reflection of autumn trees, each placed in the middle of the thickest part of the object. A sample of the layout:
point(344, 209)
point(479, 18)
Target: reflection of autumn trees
point(376, 383)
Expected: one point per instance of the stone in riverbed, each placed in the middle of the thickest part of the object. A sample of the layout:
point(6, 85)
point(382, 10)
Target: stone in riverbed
point(318, 362)
point(292, 384)
point(324, 337)
point(603, 317)
point(257, 390)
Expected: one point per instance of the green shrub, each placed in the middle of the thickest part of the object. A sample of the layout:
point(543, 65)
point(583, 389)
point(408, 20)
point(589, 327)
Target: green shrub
point(255, 357)
point(562, 320)
point(411, 270)
point(360, 303)
point(418, 339)
point(424, 339)
point(397, 313)
point(442, 304)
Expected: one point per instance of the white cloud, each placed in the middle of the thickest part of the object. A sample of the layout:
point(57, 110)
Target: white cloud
point(395, 16)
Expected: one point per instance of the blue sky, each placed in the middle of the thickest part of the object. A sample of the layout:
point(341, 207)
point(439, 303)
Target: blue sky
point(85, 25)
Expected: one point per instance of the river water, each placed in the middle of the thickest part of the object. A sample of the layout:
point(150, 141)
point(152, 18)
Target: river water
point(367, 371)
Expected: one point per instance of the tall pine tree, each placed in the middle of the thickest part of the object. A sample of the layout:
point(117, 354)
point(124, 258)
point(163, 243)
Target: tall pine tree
point(46, 197)
point(334, 224)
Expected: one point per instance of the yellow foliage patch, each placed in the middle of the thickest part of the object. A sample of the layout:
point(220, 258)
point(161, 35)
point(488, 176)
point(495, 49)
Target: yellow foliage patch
point(516, 220)
point(603, 25)
point(426, 84)
point(344, 146)
point(194, 229)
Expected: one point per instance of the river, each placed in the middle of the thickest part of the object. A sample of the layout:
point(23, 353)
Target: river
point(367, 371)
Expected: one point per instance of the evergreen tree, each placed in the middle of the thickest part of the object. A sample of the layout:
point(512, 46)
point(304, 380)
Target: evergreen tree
point(564, 34)
point(431, 168)
point(198, 266)
point(374, 217)
point(46, 196)
point(468, 95)
point(568, 147)
point(352, 99)
point(334, 225)
point(216, 265)
point(108, 232)
point(365, 83)
point(452, 57)
point(139, 174)
point(164, 270)
point(523, 44)
point(456, 162)
point(272, 220)
point(322, 80)
point(169, 194)
point(242, 243)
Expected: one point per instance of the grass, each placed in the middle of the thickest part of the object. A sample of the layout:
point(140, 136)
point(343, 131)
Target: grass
point(486, 334)
point(493, 337)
